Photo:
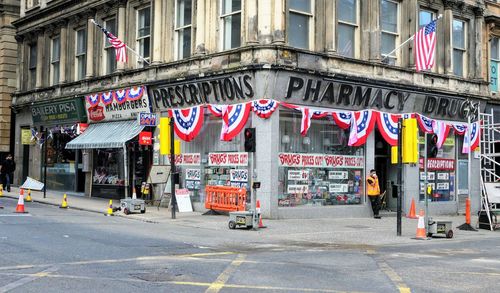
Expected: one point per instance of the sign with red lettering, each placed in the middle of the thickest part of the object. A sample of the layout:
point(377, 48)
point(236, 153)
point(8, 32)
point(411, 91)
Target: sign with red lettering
point(320, 160)
point(228, 159)
point(145, 138)
point(188, 159)
point(438, 164)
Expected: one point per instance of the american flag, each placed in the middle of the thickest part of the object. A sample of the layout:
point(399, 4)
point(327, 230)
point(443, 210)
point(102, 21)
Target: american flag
point(120, 47)
point(425, 44)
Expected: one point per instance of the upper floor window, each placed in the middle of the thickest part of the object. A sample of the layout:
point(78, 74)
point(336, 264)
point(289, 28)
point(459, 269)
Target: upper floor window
point(424, 18)
point(32, 66)
point(31, 3)
point(494, 63)
point(459, 49)
point(299, 23)
point(110, 55)
point(231, 24)
point(80, 54)
point(144, 32)
point(55, 60)
point(389, 29)
point(183, 28)
point(347, 27)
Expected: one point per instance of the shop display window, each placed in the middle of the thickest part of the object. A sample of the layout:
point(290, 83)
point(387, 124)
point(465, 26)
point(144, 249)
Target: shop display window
point(319, 169)
point(60, 161)
point(441, 169)
point(108, 167)
point(207, 160)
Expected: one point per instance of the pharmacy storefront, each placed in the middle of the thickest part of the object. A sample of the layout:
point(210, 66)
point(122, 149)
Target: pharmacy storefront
point(317, 138)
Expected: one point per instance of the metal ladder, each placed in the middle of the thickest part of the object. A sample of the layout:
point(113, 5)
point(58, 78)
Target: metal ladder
point(488, 163)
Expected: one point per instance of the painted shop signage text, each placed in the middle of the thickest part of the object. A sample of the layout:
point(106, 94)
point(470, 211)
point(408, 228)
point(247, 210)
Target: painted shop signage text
point(319, 160)
point(363, 97)
point(219, 90)
point(58, 111)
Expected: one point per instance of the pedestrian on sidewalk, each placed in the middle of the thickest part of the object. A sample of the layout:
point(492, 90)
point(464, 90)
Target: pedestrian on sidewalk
point(373, 190)
point(7, 171)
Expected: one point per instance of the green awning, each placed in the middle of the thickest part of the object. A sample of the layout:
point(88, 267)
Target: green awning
point(106, 135)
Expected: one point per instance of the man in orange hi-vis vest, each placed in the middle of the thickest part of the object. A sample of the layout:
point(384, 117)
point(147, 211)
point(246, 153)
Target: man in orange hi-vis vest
point(373, 191)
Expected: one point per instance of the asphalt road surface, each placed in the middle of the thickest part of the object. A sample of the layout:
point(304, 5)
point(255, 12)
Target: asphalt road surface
point(55, 250)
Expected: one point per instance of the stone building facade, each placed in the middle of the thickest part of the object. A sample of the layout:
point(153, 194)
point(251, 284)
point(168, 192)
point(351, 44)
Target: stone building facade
point(200, 51)
point(9, 12)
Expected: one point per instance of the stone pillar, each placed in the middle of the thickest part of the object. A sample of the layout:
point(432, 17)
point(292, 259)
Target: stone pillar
point(40, 44)
point(200, 28)
point(267, 148)
point(63, 58)
point(264, 21)
point(90, 46)
point(121, 31)
point(372, 14)
point(410, 13)
point(251, 21)
point(157, 30)
point(330, 15)
point(278, 22)
point(21, 70)
point(478, 39)
point(447, 28)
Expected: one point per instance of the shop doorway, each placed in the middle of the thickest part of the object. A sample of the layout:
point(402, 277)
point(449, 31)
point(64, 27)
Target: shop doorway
point(387, 172)
point(26, 163)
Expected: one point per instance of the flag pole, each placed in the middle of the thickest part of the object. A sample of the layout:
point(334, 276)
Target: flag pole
point(402, 44)
point(137, 54)
point(126, 46)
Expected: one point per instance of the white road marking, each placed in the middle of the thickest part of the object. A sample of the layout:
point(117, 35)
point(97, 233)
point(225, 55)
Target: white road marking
point(15, 215)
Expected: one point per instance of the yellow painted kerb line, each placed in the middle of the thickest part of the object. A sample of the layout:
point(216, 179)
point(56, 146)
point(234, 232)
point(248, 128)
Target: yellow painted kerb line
point(224, 276)
point(394, 277)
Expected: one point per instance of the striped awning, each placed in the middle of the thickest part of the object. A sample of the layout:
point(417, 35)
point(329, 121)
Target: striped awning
point(106, 135)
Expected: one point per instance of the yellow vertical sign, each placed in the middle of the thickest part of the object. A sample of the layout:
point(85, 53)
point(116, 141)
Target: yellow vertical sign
point(410, 141)
point(164, 136)
point(26, 136)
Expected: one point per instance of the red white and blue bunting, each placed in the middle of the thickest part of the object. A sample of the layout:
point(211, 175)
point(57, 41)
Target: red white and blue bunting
point(120, 96)
point(187, 122)
point(388, 127)
point(425, 123)
point(362, 124)
point(441, 129)
point(234, 118)
point(264, 108)
point(342, 119)
point(474, 134)
point(459, 128)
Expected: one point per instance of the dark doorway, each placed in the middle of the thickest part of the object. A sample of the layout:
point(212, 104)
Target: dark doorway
point(26, 163)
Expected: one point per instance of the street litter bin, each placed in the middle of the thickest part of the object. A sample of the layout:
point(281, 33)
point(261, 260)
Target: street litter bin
point(240, 219)
point(131, 206)
point(440, 227)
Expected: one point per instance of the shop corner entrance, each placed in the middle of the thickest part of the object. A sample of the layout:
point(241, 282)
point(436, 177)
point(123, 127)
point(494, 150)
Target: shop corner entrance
point(387, 172)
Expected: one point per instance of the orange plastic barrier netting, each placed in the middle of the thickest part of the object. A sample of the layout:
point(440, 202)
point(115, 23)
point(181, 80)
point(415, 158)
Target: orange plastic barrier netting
point(225, 198)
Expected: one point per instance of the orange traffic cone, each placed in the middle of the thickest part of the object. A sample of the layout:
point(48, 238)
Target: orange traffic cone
point(421, 233)
point(257, 209)
point(20, 203)
point(134, 195)
point(412, 214)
